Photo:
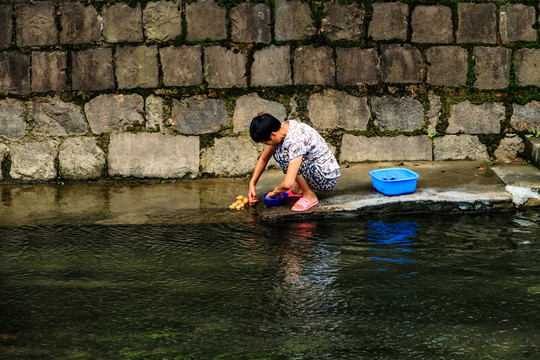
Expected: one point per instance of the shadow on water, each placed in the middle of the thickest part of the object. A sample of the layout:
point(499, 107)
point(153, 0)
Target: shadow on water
point(408, 288)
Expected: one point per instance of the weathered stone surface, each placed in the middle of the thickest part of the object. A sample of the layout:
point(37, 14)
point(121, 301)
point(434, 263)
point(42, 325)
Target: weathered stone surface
point(206, 20)
point(401, 64)
point(459, 147)
point(7, 27)
point(154, 113)
point(271, 66)
point(526, 117)
point(405, 114)
point(477, 23)
point(199, 115)
point(356, 66)
point(332, 109)
point(14, 73)
point(434, 111)
point(226, 68)
point(80, 24)
point(527, 62)
point(92, 69)
point(190, 73)
point(492, 67)
point(432, 24)
point(293, 20)
point(248, 106)
point(447, 66)
point(3, 153)
point(137, 67)
point(468, 118)
point(510, 147)
point(12, 125)
point(35, 24)
point(162, 20)
point(230, 157)
point(313, 66)
point(397, 148)
point(156, 155)
point(122, 22)
point(33, 161)
point(49, 71)
point(516, 23)
point(389, 21)
point(53, 117)
point(342, 22)
point(110, 112)
point(251, 23)
point(80, 158)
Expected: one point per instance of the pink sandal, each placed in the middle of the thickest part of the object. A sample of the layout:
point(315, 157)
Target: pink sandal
point(293, 195)
point(305, 204)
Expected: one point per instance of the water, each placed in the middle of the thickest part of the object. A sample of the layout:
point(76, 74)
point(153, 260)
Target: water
point(413, 287)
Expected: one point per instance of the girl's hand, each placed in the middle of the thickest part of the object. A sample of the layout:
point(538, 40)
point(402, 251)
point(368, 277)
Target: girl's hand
point(274, 195)
point(252, 195)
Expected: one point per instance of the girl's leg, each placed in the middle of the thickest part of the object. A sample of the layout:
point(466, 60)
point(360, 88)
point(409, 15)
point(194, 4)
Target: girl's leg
point(307, 192)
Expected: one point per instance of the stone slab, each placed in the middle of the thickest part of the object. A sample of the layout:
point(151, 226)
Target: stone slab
point(146, 155)
point(516, 22)
point(342, 22)
point(459, 147)
point(527, 63)
point(447, 66)
point(190, 73)
point(432, 24)
point(293, 20)
point(477, 23)
point(53, 117)
point(137, 67)
point(272, 66)
point(80, 158)
point(36, 24)
point(80, 24)
point(111, 112)
point(154, 113)
point(532, 150)
point(314, 66)
point(49, 71)
point(403, 114)
point(199, 115)
point(12, 124)
point(521, 175)
point(362, 148)
point(122, 22)
point(526, 117)
point(389, 21)
point(492, 67)
point(249, 106)
point(230, 157)
point(469, 118)
point(251, 23)
point(33, 161)
point(162, 20)
point(356, 66)
point(206, 20)
point(14, 73)
point(226, 68)
point(6, 30)
point(92, 69)
point(333, 109)
point(401, 64)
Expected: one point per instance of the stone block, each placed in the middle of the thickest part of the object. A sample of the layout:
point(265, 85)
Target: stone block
point(516, 23)
point(33, 161)
point(49, 71)
point(206, 20)
point(527, 63)
point(230, 157)
point(122, 22)
point(154, 113)
point(459, 147)
point(526, 117)
point(248, 106)
point(53, 117)
point(510, 147)
point(36, 24)
point(199, 115)
point(137, 67)
point(389, 21)
point(314, 66)
point(80, 158)
point(12, 124)
point(156, 155)
point(7, 27)
point(342, 22)
point(80, 24)
point(468, 118)
point(162, 20)
point(432, 25)
point(434, 111)
point(251, 23)
point(293, 20)
point(356, 66)
point(492, 67)
point(396, 148)
point(401, 64)
point(447, 66)
point(225, 68)
point(271, 66)
point(190, 73)
point(110, 112)
point(333, 109)
point(92, 69)
point(403, 114)
point(14, 73)
point(477, 23)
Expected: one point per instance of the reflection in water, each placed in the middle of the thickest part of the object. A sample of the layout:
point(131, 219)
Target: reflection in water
point(395, 240)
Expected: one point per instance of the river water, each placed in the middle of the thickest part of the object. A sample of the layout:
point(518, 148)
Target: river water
point(412, 287)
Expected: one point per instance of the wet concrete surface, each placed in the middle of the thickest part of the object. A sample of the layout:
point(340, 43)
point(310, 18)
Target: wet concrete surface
point(444, 187)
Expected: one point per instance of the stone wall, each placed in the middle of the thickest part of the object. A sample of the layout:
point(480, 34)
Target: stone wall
point(166, 89)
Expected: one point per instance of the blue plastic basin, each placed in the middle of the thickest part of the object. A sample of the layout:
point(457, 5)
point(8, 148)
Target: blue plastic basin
point(394, 181)
point(275, 201)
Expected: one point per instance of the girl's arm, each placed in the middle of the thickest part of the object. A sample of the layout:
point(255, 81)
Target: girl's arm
point(290, 177)
point(267, 154)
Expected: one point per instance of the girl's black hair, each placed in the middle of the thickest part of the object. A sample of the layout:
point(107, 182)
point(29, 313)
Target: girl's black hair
point(262, 126)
